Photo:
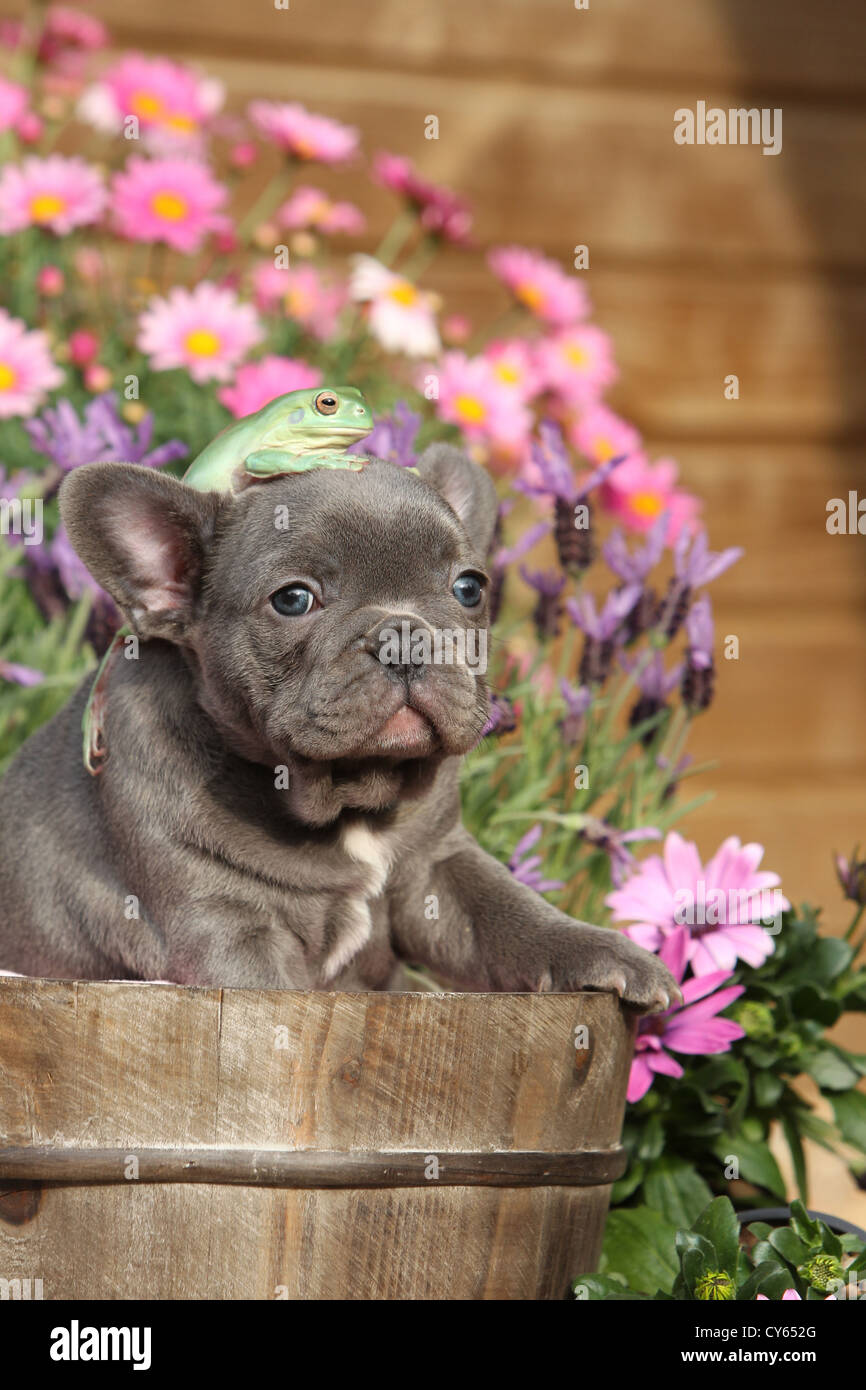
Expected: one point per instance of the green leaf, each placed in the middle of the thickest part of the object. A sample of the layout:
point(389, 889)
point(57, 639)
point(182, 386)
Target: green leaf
point(595, 1288)
point(795, 1148)
point(641, 1246)
point(718, 1224)
point(771, 1279)
point(850, 1113)
point(767, 1088)
point(674, 1188)
point(789, 1245)
point(757, 1164)
point(810, 1002)
point(830, 957)
point(652, 1141)
point(829, 1068)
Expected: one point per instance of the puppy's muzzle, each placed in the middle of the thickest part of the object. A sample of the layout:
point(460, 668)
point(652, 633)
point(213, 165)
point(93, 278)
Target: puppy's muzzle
point(399, 643)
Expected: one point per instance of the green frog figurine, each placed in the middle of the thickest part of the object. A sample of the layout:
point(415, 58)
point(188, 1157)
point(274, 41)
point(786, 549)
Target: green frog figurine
point(293, 434)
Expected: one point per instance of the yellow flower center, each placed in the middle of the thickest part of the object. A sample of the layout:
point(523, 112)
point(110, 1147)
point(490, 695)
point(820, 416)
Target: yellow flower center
point(45, 206)
point(470, 409)
point(577, 356)
point(147, 104)
point(298, 302)
point(301, 148)
point(181, 122)
point(170, 206)
point(404, 293)
point(201, 342)
point(646, 503)
point(8, 377)
point(510, 375)
point(529, 294)
point(603, 449)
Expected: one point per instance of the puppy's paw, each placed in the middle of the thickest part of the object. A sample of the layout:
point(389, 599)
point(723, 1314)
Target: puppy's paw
point(639, 978)
point(600, 958)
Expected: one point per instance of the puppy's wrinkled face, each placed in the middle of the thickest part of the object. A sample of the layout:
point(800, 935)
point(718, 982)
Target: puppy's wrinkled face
point(342, 617)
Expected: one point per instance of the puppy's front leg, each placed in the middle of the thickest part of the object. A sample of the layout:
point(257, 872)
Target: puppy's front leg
point(473, 923)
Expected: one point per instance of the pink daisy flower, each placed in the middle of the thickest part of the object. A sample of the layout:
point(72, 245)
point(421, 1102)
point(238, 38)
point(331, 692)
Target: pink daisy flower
point(400, 316)
point(513, 362)
point(637, 492)
point(600, 435)
point(166, 98)
point(303, 294)
point(57, 193)
point(27, 370)
point(301, 134)
point(442, 213)
point(310, 207)
point(577, 363)
point(540, 285)
point(207, 331)
point(720, 904)
point(472, 396)
point(13, 104)
point(67, 34)
point(172, 200)
point(691, 1027)
point(258, 383)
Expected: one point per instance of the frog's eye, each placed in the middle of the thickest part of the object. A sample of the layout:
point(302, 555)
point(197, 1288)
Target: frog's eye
point(326, 403)
point(293, 601)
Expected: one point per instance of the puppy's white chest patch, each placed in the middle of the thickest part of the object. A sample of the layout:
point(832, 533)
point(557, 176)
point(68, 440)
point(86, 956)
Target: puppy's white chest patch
point(375, 853)
point(366, 847)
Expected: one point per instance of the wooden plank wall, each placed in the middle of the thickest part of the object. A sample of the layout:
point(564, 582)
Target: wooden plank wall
point(704, 261)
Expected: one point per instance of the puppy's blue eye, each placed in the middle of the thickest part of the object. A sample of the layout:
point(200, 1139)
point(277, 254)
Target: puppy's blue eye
point(468, 590)
point(293, 601)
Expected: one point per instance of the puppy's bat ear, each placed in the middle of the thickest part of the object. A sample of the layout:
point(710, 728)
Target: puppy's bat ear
point(142, 535)
point(465, 487)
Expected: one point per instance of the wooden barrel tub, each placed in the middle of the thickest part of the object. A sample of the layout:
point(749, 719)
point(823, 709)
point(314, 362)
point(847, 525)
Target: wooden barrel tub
point(158, 1142)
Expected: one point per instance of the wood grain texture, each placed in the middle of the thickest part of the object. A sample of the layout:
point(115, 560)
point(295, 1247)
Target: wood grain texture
point(133, 1068)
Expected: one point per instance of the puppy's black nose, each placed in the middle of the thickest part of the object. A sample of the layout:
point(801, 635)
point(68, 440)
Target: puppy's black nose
point(402, 644)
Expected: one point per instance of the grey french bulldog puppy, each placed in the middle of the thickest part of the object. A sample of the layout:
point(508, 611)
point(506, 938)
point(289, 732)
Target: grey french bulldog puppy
point(279, 806)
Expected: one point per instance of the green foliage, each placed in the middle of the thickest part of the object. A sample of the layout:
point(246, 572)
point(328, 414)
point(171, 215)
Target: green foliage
point(647, 1257)
point(56, 649)
point(689, 1137)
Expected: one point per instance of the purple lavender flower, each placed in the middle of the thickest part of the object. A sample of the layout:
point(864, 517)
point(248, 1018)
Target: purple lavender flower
point(699, 630)
point(101, 436)
point(602, 626)
point(527, 870)
point(501, 719)
point(634, 567)
point(392, 437)
point(655, 685)
point(699, 678)
point(55, 574)
point(613, 842)
point(694, 565)
point(20, 675)
point(548, 609)
point(577, 702)
point(574, 543)
point(11, 485)
point(523, 544)
point(602, 630)
point(851, 874)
